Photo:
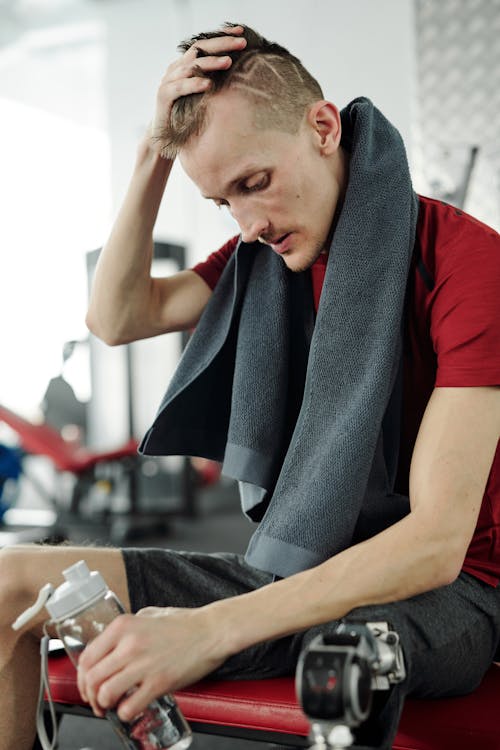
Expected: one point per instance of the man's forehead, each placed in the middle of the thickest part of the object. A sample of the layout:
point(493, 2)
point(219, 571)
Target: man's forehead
point(230, 146)
point(227, 150)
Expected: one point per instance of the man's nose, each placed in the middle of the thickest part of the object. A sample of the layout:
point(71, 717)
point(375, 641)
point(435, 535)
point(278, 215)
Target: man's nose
point(251, 227)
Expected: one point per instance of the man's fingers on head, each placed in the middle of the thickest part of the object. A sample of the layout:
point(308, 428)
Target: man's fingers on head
point(201, 65)
point(181, 83)
point(214, 46)
point(189, 69)
point(213, 62)
point(185, 86)
point(195, 70)
point(231, 28)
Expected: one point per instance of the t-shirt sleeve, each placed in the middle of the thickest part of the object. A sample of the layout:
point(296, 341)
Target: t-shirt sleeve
point(465, 311)
point(211, 269)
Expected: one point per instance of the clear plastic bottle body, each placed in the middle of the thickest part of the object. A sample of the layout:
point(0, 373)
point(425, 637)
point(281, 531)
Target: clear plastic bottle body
point(161, 726)
point(82, 627)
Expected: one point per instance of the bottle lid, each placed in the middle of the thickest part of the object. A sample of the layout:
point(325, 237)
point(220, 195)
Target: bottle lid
point(80, 589)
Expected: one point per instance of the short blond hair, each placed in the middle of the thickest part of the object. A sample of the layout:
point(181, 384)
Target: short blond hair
point(274, 80)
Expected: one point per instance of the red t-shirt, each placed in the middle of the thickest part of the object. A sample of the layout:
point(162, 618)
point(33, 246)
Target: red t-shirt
point(452, 339)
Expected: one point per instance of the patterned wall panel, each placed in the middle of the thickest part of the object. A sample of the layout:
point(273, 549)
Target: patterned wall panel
point(458, 63)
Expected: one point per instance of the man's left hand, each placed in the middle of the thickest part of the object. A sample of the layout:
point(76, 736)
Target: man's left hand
point(154, 652)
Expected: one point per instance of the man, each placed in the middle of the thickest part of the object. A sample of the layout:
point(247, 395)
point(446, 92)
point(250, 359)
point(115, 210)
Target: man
point(338, 306)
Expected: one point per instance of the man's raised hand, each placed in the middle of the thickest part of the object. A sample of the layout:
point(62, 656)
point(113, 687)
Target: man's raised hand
point(182, 76)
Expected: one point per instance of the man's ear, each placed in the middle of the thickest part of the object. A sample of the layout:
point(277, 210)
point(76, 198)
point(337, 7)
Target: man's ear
point(324, 118)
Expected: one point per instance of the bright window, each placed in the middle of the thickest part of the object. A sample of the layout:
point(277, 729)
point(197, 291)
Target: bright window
point(55, 199)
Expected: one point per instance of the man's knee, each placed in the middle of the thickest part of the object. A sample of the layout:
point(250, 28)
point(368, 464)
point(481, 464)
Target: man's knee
point(16, 588)
point(24, 569)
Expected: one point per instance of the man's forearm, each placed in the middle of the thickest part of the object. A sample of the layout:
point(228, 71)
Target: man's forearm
point(122, 280)
point(400, 562)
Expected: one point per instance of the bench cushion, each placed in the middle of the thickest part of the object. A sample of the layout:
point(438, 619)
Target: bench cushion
point(466, 723)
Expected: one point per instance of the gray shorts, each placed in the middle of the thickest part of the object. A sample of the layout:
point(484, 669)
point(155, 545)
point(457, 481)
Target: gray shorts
point(449, 635)
point(169, 578)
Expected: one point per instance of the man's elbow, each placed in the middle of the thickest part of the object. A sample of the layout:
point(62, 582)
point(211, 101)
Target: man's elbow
point(108, 336)
point(451, 563)
point(449, 573)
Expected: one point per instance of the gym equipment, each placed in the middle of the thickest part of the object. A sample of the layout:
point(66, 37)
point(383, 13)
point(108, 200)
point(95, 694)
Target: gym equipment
point(89, 469)
point(337, 674)
point(268, 711)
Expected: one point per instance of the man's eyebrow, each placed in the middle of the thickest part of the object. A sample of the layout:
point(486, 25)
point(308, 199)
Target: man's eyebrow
point(240, 178)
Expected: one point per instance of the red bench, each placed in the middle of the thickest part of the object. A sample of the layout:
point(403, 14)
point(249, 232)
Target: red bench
point(267, 710)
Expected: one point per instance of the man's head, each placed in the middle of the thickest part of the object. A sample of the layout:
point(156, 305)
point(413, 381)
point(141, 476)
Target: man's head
point(274, 81)
point(263, 142)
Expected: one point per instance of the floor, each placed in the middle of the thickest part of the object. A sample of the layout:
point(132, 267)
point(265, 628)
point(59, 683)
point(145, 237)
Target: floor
point(78, 733)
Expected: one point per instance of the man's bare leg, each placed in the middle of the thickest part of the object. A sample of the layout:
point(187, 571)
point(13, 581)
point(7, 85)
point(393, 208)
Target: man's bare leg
point(23, 571)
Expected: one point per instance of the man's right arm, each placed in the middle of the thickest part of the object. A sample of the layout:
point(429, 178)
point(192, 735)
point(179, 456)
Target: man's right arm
point(126, 303)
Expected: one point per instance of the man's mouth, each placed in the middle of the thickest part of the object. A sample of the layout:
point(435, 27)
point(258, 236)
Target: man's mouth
point(281, 243)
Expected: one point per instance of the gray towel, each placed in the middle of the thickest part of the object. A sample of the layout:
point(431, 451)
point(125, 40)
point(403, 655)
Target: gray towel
point(307, 419)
